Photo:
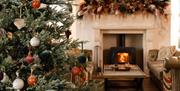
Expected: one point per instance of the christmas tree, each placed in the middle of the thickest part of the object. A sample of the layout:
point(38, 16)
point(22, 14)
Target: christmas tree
point(35, 48)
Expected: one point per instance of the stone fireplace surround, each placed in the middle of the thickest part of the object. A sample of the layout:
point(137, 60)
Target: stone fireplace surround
point(155, 32)
point(119, 31)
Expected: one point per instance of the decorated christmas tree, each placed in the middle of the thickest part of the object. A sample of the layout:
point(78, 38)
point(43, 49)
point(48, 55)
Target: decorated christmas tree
point(36, 53)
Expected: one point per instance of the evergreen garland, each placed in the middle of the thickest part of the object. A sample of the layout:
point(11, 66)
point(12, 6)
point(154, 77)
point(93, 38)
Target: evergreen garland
point(122, 7)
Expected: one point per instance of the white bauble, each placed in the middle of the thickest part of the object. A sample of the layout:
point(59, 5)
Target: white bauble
point(35, 41)
point(5, 78)
point(18, 84)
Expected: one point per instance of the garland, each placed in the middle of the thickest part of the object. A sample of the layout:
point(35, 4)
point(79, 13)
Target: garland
point(122, 7)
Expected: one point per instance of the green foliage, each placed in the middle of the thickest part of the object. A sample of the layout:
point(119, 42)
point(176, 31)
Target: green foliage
point(51, 63)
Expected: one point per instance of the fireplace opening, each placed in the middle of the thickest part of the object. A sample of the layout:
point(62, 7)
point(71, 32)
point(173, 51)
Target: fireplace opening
point(122, 58)
point(121, 55)
point(114, 44)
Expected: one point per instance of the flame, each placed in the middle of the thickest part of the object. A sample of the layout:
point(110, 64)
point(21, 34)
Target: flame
point(122, 57)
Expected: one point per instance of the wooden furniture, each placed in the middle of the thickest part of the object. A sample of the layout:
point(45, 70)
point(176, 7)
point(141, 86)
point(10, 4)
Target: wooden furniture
point(134, 73)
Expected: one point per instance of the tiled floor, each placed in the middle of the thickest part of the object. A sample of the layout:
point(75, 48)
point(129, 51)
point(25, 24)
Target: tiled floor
point(148, 86)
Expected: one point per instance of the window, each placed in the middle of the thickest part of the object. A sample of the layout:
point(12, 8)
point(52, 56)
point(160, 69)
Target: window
point(179, 37)
point(179, 31)
point(175, 23)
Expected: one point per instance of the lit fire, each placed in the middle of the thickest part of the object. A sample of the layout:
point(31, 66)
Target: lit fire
point(122, 57)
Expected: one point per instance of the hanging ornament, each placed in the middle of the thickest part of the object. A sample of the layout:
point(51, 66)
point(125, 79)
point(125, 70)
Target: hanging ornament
point(29, 59)
point(36, 4)
point(75, 70)
point(82, 59)
point(32, 80)
point(1, 75)
point(18, 83)
point(35, 42)
point(46, 54)
point(68, 33)
point(5, 78)
point(19, 23)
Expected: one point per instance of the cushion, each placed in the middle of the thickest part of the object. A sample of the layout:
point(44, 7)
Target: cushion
point(173, 62)
point(166, 52)
point(177, 53)
point(156, 67)
point(153, 54)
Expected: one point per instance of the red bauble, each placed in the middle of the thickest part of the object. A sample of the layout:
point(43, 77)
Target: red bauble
point(36, 4)
point(32, 80)
point(29, 59)
point(75, 70)
point(1, 75)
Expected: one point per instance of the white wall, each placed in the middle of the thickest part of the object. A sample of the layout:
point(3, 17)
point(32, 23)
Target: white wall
point(158, 36)
point(175, 22)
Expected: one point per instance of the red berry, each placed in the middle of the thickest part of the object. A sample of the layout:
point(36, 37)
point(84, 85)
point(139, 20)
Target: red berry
point(36, 4)
point(75, 70)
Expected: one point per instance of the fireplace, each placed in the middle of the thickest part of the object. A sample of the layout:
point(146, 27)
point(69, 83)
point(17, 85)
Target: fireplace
point(123, 48)
point(121, 55)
